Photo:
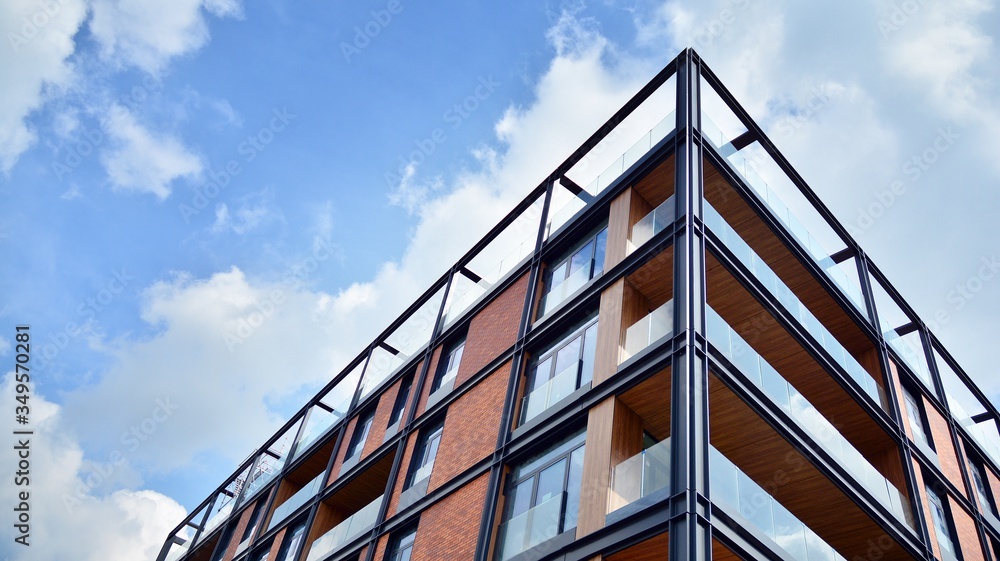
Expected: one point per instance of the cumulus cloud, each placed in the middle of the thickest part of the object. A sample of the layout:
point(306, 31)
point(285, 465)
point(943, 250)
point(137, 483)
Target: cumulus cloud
point(72, 518)
point(148, 34)
point(142, 160)
point(39, 40)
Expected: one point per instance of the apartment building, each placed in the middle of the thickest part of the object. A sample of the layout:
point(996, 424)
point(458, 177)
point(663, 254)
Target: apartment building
point(673, 350)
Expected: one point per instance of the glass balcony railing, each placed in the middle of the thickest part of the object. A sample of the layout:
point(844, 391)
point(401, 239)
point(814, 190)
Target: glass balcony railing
point(912, 357)
point(653, 223)
point(986, 438)
point(463, 301)
point(257, 482)
point(657, 324)
point(531, 528)
point(614, 171)
point(795, 307)
point(326, 422)
point(295, 501)
point(848, 286)
point(344, 532)
point(177, 550)
point(218, 518)
point(550, 393)
point(785, 396)
point(736, 492)
point(560, 292)
point(422, 473)
point(640, 476)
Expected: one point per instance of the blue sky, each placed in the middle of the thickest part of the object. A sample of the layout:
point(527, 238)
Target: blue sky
point(165, 167)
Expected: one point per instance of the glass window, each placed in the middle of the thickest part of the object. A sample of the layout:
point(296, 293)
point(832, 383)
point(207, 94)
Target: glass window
point(942, 528)
point(426, 453)
point(543, 498)
point(290, 545)
point(979, 482)
point(560, 369)
point(360, 435)
point(566, 275)
point(448, 367)
point(400, 405)
point(220, 548)
point(915, 417)
point(402, 547)
point(254, 520)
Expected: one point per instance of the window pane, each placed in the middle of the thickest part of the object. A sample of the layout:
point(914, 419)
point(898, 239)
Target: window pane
point(541, 374)
point(521, 498)
point(573, 488)
point(589, 348)
point(602, 242)
point(568, 356)
point(582, 258)
point(550, 481)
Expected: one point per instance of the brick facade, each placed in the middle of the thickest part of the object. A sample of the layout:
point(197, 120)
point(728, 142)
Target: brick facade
point(449, 529)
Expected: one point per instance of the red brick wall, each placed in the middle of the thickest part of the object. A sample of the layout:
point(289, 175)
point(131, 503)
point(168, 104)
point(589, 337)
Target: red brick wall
point(276, 544)
point(941, 435)
point(426, 391)
point(922, 493)
point(380, 547)
point(335, 472)
point(449, 529)
point(492, 330)
point(382, 413)
point(470, 429)
point(240, 528)
point(403, 472)
point(968, 538)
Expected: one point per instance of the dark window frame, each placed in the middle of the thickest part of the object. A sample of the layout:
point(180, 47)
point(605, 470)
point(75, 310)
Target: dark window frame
point(448, 352)
point(599, 238)
point(402, 543)
point(981, 484)
point(552, 352)
point(362, 430)
point(402, 396)
point(434, 433)
point(941, 518)
point(287, 542)
point(914, 403)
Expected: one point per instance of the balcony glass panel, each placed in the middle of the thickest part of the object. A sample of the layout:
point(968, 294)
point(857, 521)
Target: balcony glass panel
point(795, 307)
point(531, 528)
point(551, 392)
point(733, 490)
point(848, 285)
point(641, 475)
point(177, 550)
point(653, 223)
point(295, 501)
point(319, 422)
point(560, 292)
point(786, 397)
point(219, 516)
point(654, 326)
point(614, 170)
point(344, 532)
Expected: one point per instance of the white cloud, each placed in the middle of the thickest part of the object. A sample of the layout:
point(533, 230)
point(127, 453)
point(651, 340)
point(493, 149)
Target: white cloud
point(243, 220)
point(71, 518)
point(38, 39)
point(149, 34)
point(143, 161)
point(4, 346)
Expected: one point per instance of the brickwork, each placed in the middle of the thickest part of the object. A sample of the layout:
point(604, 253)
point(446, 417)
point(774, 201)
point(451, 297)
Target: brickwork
point(922, 493)
point(426, 391)
point(380, 548)
point(493, 330)
point(941, 436)
point(967, 538)
point(240, 528)
point(335, 472)
point(471, 427)
point(397, 488)
point(382, 413)
point(449, 529)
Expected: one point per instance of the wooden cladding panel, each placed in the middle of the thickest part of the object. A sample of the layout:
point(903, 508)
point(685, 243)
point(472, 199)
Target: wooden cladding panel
point(609, 332)
point(651, 402)
point(614, 434)
point(656, 186)
point(655, 548)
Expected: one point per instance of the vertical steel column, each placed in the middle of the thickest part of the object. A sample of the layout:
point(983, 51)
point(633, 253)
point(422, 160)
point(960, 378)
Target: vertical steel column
point(690, 533)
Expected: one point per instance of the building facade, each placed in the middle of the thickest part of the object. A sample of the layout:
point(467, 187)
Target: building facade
point(681, 358)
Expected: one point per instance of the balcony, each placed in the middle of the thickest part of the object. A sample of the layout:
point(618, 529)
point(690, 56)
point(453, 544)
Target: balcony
point(530, 528)
point(640, 476)
point(566, 288)
point(293, 503)
point(551, 392)
point(753, 262)
point(325, 421)
point(652, 224)
point(788, 399)
point(344, 532)
point(651, 328)
point(849, 286)
point(742, 497)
